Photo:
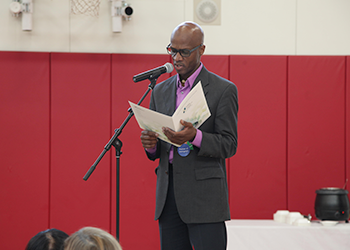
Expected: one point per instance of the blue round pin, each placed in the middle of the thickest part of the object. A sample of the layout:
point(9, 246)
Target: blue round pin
point(183, 150)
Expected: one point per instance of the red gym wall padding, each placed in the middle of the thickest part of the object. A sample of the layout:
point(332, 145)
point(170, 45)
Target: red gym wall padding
point(258, 170)
point(80, 128)
point(59, 110)
point(217, 64)
point(316, 132)
point(24, 147)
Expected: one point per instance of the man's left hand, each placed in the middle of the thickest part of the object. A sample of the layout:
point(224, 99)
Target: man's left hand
point(188, 133)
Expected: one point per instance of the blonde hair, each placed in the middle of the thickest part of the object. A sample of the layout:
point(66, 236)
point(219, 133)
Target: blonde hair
point(91, 238)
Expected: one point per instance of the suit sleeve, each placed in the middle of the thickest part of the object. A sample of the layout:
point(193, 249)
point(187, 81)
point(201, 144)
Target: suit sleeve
point(222, 142)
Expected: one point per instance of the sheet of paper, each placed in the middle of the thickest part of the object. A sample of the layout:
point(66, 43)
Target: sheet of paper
point(152, 121)
point(192, 109)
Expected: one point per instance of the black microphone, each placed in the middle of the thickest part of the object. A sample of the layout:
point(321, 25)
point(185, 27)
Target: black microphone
point(153, 73)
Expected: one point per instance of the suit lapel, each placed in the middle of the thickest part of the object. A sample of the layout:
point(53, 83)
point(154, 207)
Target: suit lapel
point(169, 98)
point(203, 78)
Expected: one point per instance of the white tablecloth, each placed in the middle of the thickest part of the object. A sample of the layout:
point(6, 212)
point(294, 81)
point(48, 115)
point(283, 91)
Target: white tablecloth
point(270, 235)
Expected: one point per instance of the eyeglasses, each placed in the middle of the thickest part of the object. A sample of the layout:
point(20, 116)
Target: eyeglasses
point(183, 52)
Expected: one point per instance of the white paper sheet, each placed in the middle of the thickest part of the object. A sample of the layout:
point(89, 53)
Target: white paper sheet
point(193, 108)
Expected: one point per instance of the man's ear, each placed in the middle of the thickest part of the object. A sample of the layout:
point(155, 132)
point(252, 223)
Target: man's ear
point(202, 49)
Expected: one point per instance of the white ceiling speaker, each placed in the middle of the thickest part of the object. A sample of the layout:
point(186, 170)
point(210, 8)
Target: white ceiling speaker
point(120, 11)
point(15, 8)
point(24, 8)
point(207, 11)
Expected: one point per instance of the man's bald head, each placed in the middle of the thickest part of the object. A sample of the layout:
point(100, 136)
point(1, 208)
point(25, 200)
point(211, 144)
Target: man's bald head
point(189, 31)
point(187, 36)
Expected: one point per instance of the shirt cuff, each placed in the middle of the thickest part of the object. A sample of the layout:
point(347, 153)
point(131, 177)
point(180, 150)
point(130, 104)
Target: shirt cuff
point(152, 151)
point(197, 139)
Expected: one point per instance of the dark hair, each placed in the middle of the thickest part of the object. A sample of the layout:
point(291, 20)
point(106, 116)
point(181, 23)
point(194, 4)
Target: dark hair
point(51, 239)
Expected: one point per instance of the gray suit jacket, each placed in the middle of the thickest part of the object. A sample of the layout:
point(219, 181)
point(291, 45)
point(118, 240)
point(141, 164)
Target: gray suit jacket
point(200, 181)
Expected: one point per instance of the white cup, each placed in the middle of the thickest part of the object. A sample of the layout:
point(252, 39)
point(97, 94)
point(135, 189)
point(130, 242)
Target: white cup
point(280, 216)
point(292, 216)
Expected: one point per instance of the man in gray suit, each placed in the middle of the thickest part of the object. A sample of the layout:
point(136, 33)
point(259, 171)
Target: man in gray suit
point(192, 193)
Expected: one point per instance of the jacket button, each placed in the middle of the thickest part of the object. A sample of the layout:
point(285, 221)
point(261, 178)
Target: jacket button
point(166, 172)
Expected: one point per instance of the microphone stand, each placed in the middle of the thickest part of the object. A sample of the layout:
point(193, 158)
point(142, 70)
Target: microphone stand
point(117, 144)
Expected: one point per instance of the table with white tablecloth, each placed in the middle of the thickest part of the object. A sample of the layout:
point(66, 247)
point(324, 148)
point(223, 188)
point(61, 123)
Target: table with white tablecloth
point(270, 235)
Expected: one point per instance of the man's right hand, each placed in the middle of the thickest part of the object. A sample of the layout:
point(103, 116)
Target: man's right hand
point(149, 139)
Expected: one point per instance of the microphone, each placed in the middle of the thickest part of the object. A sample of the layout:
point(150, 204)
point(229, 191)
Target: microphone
point(153, 73)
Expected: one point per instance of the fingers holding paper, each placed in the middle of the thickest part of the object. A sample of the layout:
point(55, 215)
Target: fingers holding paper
point(188, 133)
point(149, 139)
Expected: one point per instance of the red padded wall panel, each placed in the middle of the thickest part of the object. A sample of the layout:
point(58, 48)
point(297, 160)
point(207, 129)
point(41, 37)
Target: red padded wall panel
point(137, 177)
point(316, 138)
point(85, 113)
point(217, 64)
point(80, 130)
point(24, 147)
point(258, 170)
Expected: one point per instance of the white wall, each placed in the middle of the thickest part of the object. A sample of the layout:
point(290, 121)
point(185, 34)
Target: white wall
point(269, 27)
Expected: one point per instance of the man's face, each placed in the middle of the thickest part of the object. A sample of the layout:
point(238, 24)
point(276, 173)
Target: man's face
point(185, 66)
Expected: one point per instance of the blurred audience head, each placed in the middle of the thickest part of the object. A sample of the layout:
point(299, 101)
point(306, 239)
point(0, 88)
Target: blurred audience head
point(51, 239)
point(91, 238)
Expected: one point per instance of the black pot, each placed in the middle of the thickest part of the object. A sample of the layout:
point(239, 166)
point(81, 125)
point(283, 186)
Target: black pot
point(332, 204)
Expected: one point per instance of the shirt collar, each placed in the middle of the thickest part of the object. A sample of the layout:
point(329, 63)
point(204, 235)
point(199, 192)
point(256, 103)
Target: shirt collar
point(191, 79)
